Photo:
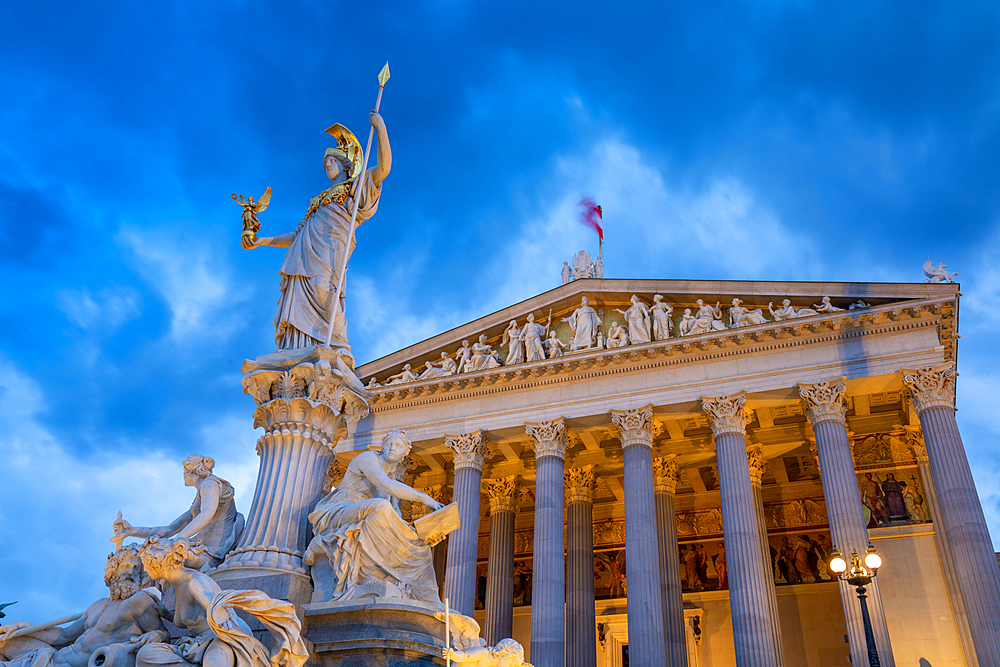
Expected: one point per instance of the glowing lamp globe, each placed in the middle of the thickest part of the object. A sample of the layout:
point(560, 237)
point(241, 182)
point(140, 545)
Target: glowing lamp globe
point(873, 561)
point(837, 563)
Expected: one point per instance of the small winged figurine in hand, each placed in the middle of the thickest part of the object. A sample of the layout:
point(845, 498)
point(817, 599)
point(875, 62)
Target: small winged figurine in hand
point(251, 225)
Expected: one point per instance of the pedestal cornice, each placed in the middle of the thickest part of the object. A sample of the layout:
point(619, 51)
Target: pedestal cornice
point(469, 450)
point(931, 387)
point(635, 427)
point(825, 401)
point(580, 483)
point(727, 414)
point(665, 474)
point(548, 438)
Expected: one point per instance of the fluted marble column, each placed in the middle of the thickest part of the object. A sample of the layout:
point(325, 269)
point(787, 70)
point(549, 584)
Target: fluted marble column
point(827, 412)
point(755, 459)
point(642, 552)
point(499, 615)
point(469, 451)
point(548, 589)
point(753, 623)
point(664, 487)
point(304, 410)
point(581, 628)
point(932, 390)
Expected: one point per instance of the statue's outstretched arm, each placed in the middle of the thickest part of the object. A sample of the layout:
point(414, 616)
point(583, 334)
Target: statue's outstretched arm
point(377, 476)
point(384, 164)
point(280, 241)
point(209, 504)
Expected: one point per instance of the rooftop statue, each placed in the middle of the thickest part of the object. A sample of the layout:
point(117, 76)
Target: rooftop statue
point(617, 336)
point(317, 247)
point(533, 333)
point(637, 317)
point(483, 356)
point(463, 356)
point(662, 315)
point(446, 367)
point(514, 341)
point(741, 316)
point(937, 274)
point(706, 319)
point(220, 637)
point(788, 311)
point(826, 307)
point(407, 375)
point(553, 346)
point(585, 325)
point(116, 625)
point(361, 539)
point(213, 518)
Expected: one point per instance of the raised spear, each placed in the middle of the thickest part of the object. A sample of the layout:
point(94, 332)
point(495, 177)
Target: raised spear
point(383, 76)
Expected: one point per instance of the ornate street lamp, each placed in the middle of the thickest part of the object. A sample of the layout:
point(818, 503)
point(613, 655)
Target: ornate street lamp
point(860, 575)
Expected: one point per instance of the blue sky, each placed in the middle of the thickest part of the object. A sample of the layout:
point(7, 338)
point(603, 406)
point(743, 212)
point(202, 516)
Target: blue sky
point(785, 140)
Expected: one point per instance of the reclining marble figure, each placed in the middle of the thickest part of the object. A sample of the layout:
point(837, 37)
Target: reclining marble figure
point(362, 546)
point(220, 637)
point(212, 518)
point(115, 626)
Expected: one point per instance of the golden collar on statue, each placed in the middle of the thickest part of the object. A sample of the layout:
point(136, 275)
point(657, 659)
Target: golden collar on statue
point(337, 193)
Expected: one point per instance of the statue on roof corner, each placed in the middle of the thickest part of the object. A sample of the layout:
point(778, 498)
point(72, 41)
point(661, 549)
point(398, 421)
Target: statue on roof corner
point(316, 248)
point(937, 274)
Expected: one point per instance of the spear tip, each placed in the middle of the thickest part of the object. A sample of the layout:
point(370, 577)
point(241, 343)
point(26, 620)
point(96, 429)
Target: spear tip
point(383, 76)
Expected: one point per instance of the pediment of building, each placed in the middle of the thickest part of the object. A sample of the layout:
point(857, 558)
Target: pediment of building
point(877, 308)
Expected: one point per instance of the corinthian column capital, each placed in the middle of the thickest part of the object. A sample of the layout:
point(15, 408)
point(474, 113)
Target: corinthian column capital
point(635, 426)
point(931, 387)
point(727, 414)
point(580, 483)
point(825, 400)
point(502, 493)
point(755, 458)
point(665, 474)
point(548, 438)
point(469, 450)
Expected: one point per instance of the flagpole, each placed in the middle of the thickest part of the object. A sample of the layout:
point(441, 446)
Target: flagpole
point(383, 76)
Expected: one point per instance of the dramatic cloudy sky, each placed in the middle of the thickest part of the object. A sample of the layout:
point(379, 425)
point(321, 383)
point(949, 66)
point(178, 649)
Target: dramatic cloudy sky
point(782, 140)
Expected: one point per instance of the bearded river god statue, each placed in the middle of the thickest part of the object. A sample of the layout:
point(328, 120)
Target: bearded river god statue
point(112, 628)
point(317, 247)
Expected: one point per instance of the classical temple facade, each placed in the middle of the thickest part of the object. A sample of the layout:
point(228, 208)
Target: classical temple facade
point(675, 501)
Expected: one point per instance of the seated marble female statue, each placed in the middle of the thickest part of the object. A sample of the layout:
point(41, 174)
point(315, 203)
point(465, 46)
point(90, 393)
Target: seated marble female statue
point(362, 546)
point(220, 637)
point(212, 518)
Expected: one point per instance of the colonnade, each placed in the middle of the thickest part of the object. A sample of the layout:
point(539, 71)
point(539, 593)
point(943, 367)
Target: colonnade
point(562, 610)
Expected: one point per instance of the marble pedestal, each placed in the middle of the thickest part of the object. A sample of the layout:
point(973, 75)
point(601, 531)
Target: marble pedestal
point(375, 633)
point(305, 400)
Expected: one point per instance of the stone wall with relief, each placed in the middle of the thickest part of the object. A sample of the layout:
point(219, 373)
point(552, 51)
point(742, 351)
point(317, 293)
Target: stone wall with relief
point(890, 482)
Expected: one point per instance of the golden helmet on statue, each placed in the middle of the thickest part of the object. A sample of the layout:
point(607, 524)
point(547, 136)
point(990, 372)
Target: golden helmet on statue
point(348, 149)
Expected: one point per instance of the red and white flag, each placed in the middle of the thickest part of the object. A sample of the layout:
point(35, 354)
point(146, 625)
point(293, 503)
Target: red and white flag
point(592, 215)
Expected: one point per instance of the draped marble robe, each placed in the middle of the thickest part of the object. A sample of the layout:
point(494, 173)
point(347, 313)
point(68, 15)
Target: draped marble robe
point(360, 538)
point(309, 274)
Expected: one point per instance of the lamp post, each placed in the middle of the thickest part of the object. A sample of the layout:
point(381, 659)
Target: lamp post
point(860, 575)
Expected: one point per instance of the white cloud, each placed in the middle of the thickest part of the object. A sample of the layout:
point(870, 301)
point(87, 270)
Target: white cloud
point(653, 227)
point(58, 505)
point(193, 277)
point(107, 310)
